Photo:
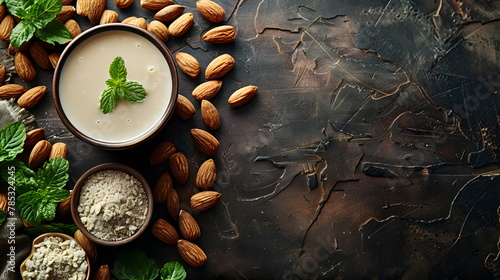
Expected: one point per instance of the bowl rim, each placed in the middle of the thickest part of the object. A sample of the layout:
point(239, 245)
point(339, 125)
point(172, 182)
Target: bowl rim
point(39, 239)
point(75, 199)
point(167, 114)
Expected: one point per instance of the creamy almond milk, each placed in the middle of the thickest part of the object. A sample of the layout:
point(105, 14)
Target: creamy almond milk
point(83, 79)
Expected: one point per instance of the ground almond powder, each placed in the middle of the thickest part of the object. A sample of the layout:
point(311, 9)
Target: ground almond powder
point(113, 204)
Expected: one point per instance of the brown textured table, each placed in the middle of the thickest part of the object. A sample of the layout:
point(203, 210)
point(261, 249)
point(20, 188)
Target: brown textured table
point(370, 150)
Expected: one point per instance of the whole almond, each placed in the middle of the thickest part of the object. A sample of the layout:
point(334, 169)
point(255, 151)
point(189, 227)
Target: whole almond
point(66, 13)
point(139, 22)
point(188, 64)
point(207, 90)
point(155, 5)
point(109, 16)
point(4, 202)
point(6, 26)
point(11, 91)
point(173, 204)
point(159, 29)
point(2, 74)
point(103, 273)
point(83, 7)
point(73, 27)
point(207, 174)
point(204, 141)
point(162, 152)
point(95, 12)
point(179, 167)
point(210, 10)
point(63, 207)
point(54, 59)
point(219, 66)
point(181, 25)
point(129, 19)
point(188, 226)
point(67, 2)
point(204, 200)
point(210, 115)
point(242, 96)
point(40, 55)
point(39, 154)
point(32, 137)
point(162, 187)
point(170, 12)
point(59, 150)
point(191, 253)
point(24, 67)
point(184, 108)
point(220, 35)
point(164, 231)
point(122, 4)
point(32, 97)
point(87, 245)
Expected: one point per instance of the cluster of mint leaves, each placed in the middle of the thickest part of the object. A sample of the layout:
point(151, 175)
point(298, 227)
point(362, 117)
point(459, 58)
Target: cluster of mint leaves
point(38, 193)
point(38, 18)
point(119, 87)
point(133, 264)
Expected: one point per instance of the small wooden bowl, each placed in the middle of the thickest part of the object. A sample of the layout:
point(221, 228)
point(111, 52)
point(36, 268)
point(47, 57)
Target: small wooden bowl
point(75, 200)
point(39, 239)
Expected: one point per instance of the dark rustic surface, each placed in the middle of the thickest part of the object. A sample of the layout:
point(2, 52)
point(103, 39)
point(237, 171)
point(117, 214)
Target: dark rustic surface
point(370, 150)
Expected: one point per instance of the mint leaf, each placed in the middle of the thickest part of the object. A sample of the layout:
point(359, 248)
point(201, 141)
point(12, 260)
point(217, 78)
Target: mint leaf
point(36, 207)
point(117, 70)
point(21, 33)
point(54, 32)
point(43, 12)
point(23, 176)
point(134, 264)
point(133, 92)
point(172, 271)
point(38, 203)
point(119, 87)
point(12, 138)
point(54, 174)
point(18, 8)
point(108, 100)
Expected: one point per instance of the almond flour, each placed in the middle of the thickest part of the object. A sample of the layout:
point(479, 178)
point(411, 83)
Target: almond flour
point(55, 258)
point(113, 205)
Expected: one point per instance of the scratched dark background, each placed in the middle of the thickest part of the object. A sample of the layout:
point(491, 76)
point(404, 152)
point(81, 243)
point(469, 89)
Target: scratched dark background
point(369, 152)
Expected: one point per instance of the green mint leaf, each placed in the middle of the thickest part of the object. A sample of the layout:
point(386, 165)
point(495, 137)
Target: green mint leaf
point(35, 231)
point(134, 264)
point(40, 205)
point(18, 8)
point(119, 87)
point(12, 138)
point(21, 33)
point(53, 174)
point(117, 70)
point(109, 99)
point(54, 32)
point(172, 271)
point(16, 172)
point(43, 12)
point(133, 92)
point(3, 216)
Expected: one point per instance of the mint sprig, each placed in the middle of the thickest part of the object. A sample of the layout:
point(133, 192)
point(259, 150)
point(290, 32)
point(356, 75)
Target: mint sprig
point(133, 264)
point(172, 271)
point(119, 87)
point(39, 201)
point(12, 138)
point(38, 19)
